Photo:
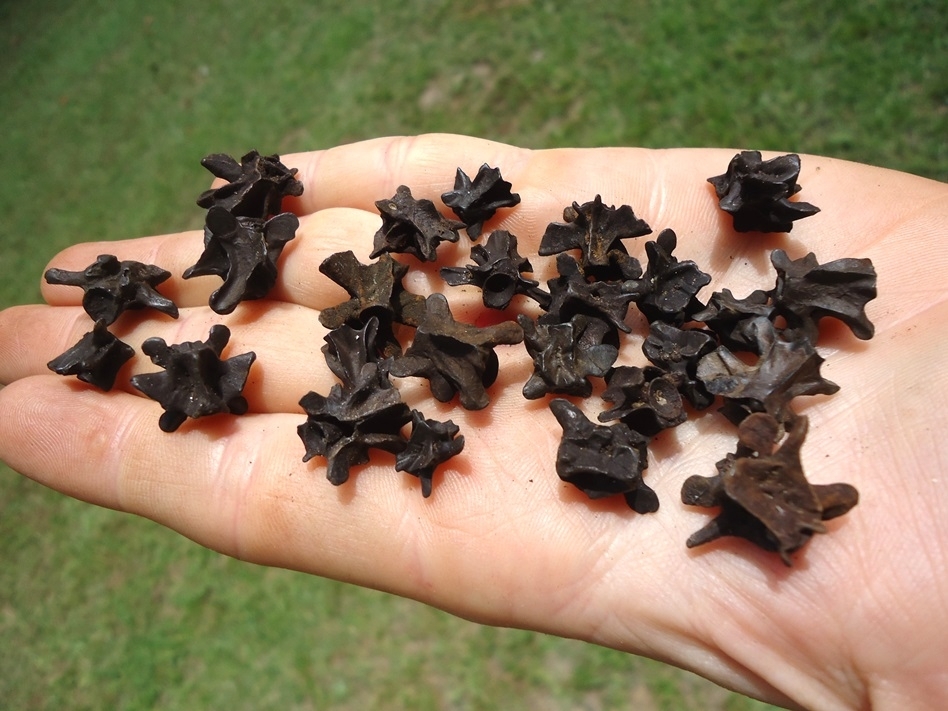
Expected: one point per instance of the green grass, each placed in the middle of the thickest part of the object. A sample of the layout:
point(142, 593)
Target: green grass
point(106, 110)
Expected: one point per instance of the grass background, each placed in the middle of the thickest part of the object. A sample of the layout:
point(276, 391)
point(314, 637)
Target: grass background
point(106, 109)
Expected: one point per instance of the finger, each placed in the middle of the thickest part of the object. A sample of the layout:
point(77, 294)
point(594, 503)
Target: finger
point(173, 253)
point(371, 170)
point(286, 339)
point(358, 174)
point(299, 279)
point(667, 188)
point(544, 174)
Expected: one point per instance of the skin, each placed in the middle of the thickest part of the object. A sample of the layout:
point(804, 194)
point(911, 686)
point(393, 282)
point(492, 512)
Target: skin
point(859, 621)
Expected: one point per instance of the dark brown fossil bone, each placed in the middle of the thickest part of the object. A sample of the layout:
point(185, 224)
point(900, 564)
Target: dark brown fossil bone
point(807, 291)
point(412, 226)
point(431, 443)
point(376, 291)
point(763, 494)
point(363, 412)
point(678, 351)
point(597, 230)
point(497, 270)
point(756, 192)
point(732, 318)
point(348, 349)
point(602, 460)
point(455, 357)
point(645, 399)
point(195, 381)
point(112, 287)
point(667, 290)
point(476, 201)
point(564, 355)
point(571, 294)
point(243, 251)
point(96, 359)
point(255, 187)
point(786, 368)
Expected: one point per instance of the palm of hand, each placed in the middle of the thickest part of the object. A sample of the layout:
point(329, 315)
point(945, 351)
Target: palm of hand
point(502, 540)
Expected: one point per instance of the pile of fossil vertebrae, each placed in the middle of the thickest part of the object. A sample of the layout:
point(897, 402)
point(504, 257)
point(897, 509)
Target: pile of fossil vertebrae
point(752, 355)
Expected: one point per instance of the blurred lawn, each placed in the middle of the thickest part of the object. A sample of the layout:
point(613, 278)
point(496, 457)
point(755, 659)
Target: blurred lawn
point(106, 111)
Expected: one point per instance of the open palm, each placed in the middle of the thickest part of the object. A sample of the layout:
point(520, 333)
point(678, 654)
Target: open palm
point(860, 619)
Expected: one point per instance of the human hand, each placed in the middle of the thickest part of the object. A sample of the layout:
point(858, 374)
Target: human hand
point(862, 617)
